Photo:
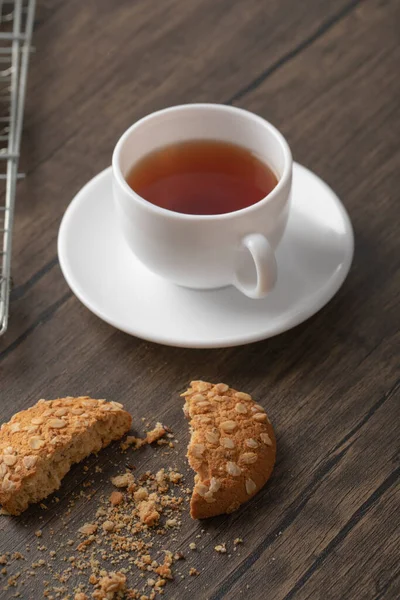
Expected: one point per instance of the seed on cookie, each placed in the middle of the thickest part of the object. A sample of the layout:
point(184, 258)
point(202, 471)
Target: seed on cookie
point(250, 486)
point(60, 412)
point(221, 388)
point(218, 398)
point(113, 403)
point(208, 497)
point(29, 461)
point(227, 443)
point(212, 436)
point(198, 450)
point(260, 417)
point(89, 402)
point(200, 386)
point(9, 459)
point(198, 398)
point(36, 442)
point(201, 489)
point(204, 419)
point(215, 485)
point(8, 485)
point(248, 458)
point(203, 404)
point(242, 396)
point(241, 408)
point(228, 426)
point(32, 428)
point(250, 443)
point(233, 469)
point(57, 423)
point(266, 439)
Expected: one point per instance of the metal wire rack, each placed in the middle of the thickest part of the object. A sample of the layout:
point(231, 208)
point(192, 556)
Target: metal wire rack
point(16, 24)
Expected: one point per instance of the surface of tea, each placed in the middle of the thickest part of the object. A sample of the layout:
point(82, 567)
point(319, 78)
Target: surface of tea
point(202, 177)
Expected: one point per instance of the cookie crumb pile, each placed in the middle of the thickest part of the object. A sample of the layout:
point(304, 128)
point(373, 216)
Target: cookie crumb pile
point(130, 528)
point(133, 531)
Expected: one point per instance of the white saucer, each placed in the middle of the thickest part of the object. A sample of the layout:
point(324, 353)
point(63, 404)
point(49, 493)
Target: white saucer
point(313, 258)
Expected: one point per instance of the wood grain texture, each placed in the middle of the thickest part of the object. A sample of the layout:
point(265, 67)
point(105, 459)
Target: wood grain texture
point(326, 526)
point(93, 77)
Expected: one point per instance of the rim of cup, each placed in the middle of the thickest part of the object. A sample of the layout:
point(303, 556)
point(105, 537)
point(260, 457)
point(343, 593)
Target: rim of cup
point(282, 180)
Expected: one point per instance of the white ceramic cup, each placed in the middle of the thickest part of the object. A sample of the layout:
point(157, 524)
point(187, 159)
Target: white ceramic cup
point(205, 251)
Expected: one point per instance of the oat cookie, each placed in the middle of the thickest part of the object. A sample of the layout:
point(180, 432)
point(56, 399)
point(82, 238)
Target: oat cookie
point(38, 446)
point(232, 447)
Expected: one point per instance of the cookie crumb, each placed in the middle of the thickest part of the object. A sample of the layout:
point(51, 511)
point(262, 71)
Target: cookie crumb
point(108, 526)
point(123, 481)
point(116, 498)
point(87, 529)
point(148, 513)
point(152, 436)
point(109, 585)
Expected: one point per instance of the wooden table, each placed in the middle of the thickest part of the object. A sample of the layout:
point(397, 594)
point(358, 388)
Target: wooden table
point(327, 74)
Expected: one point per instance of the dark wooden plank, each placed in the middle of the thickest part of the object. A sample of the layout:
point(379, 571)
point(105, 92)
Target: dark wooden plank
point(38, 249)
point(311, 553)
point(348, 121)
point(32, 304)
point(374, 541)
point(313, 425)
point(92, 77)
point(340, 106)
point(66, 140)
point(309, 448)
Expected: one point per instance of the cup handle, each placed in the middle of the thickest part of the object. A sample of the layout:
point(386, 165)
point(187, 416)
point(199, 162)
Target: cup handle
point(256, 269)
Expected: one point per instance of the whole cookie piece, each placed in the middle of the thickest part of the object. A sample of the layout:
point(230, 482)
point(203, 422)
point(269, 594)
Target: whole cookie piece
point(38, 446)
point(232, 447)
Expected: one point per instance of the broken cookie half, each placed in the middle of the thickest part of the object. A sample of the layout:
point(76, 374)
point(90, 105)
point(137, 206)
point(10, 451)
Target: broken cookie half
point(232, 447)
point(38, 446)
